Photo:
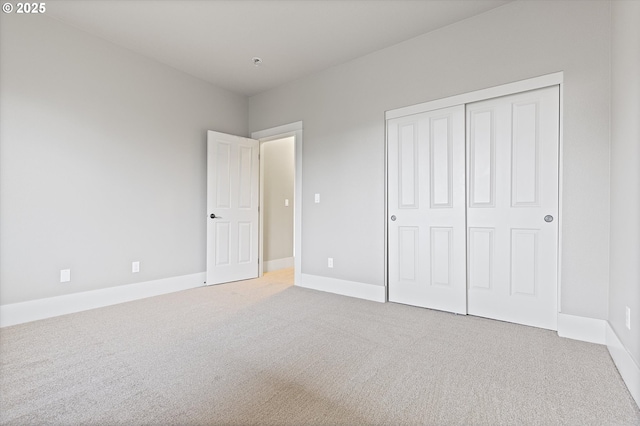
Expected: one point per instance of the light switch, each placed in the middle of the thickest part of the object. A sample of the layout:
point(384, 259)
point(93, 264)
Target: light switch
point(135, 267)
point(317, 198)
point(65, 275)
point(286, 202)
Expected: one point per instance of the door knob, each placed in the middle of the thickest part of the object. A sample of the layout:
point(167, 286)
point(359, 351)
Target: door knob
point(548, 218)
point(393, 218)
point(213, 216)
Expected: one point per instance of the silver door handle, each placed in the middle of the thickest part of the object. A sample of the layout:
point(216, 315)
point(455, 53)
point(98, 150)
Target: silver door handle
point(393, 218)
point(548, 218)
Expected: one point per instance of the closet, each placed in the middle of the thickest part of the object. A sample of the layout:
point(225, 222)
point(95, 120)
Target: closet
point(472, 203)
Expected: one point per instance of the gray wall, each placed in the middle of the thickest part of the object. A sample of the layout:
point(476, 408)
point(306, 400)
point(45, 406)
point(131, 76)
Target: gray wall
point(625, 175)
point(343, 113)
point(102, 161)
point(279, 178)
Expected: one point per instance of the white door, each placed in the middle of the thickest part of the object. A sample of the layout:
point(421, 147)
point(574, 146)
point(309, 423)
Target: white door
point(512, 207)
point(426, 209)
point(232, 208)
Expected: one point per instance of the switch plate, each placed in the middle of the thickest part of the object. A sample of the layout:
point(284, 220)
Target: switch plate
point(627, 318)
point(65, 275)
point(135, 267)
point(317, 198)
point(330, 262)
point(286, 202)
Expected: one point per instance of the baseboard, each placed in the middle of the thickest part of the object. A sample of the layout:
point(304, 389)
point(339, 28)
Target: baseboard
point(582, 328)
point(627, 367)
point(376, 293)
point(274, 265)
point(18, 313)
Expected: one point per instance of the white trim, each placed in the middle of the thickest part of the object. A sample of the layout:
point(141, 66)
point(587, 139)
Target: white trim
point(479, 95)
point(18, 313)
point(277, 132)
point(560, 196)
point(582, 328)
point(629, 370)
point(386, 211)
point(377, 293)
point(276, 264)
point(280, 132)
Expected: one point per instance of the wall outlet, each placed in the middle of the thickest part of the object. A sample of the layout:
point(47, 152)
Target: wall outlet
point(135, 267)
point(330, 262)
point(317, 198)
point(65, 275)
point(627, 318)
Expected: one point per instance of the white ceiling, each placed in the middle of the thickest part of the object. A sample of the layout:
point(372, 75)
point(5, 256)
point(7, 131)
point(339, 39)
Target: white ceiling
point(216, 40)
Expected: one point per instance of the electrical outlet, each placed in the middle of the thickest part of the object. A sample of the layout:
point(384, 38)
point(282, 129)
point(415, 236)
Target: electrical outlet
point(65, 275)
point(627, 318)
point(317, 198)
point(135, 267)
point(330, 262)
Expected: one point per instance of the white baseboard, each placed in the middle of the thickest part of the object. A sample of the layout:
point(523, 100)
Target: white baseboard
point(18, 313)
point(582, 328)
point(627, 367)
point(376, 293)
point(274, 265)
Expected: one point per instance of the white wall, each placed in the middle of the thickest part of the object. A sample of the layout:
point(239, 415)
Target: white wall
point(625, 175)
point(103, 162)
point(279, 178)
point(343, 113)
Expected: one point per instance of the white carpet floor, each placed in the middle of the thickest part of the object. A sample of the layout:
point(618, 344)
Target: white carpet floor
point(265, 352)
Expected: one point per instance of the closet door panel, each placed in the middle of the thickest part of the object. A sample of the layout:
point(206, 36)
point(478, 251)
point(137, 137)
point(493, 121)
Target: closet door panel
point(426, 202)
point(524, 134)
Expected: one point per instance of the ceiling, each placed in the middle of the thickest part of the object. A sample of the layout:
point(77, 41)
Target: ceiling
point(216, 40)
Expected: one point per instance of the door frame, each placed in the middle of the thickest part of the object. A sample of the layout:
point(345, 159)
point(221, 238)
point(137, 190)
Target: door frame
point(275, 133)
point(553, 79)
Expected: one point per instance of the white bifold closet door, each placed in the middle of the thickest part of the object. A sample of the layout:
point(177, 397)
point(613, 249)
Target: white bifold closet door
point(512, 207)
point(426, 206)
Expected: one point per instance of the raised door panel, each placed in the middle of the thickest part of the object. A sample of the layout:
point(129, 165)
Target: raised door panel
point(481, 136)
point(223, 176)
point(524, 262)
point(480, 259)
point(246, 169)
point(441, 162)
point(525, 148)
point(408, 246)
point(222, 243)
point(408, 167)
point(441, 256)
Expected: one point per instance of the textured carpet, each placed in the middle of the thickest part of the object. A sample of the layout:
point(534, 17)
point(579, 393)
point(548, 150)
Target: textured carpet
point(264, 352)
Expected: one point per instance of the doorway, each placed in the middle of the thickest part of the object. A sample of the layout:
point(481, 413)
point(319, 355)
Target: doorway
point(277, 177)
point(294, 131)
point(234, 227)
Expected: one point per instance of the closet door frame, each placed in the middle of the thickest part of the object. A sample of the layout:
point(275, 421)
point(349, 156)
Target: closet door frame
point(554, 79)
